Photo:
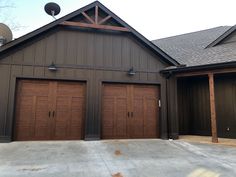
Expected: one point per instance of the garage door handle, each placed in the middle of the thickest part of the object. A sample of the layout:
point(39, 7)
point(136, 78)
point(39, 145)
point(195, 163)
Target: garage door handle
point(53, 113)
point(132, 114)
point(128, 114)
point(49, 114)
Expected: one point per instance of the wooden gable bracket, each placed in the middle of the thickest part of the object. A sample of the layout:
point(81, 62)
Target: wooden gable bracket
point(95, 23)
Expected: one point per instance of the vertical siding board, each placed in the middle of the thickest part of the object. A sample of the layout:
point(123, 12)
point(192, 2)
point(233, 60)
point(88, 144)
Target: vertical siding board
point(163, 118)
point(40, 52)
point(225, 95)
point(152, 66)
point(7, 60)
point(15, 71)
point(69, 73)
point(81, 74)
point(134, 54)
point(60, 45)
point(152, 77)
point(194, 110)
point(107, 50)
point(143, 76)
point(71, 48)
point(116, 52)
point(17, 58)
point(39, 72)
point(98, 48)
point(98, 102)
point(28, 71)
point(50, 49)
point(143, 61)
point(82, 48)
point(126, 60)
point(4, 91)
point(90, 50)
point(29, 53)
point(91, 98)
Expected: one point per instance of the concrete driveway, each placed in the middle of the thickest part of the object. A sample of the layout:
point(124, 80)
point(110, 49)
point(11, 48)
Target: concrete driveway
point(118, 158)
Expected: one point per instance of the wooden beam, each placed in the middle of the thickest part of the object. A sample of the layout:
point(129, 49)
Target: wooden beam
point(88, 18)
point(213, 110)
point(95, 26)
point(96, 14)
point(104, 20)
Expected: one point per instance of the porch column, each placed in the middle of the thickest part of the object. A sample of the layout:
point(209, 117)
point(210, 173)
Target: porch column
point(212, 106)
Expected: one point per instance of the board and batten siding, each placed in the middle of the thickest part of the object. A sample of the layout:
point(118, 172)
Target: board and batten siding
point(194, 106)
point(81, 56)
point(225, 95)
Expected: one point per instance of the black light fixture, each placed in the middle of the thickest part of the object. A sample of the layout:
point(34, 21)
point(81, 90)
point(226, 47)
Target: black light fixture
point(52, 67)
point(131, 72)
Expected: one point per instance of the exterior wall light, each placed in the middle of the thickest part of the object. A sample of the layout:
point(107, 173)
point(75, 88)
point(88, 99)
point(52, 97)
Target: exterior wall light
point(52, 67)
point(131, 72)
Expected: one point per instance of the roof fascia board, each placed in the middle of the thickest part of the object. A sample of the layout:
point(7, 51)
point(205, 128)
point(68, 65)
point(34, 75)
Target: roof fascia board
point(200, 67)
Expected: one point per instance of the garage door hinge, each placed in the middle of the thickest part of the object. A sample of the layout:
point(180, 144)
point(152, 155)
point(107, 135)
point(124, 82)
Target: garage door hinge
point(159, 103)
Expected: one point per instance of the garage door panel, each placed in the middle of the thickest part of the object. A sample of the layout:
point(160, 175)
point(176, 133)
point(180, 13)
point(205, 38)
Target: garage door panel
point(70, 101)
point(151, 123)
point(23, 132)
point(29, 88)
point(41, 133)
point(52, 110)
point(137, 117)
point(120, 115)
point(129, 111)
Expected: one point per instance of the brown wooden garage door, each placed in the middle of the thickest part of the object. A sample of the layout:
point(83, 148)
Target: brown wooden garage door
point(130, 111)
point(49, 110)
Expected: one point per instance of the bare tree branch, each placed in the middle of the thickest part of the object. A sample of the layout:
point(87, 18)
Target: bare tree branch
point(7, 17)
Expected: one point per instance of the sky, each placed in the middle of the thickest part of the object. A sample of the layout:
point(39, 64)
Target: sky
point(152, 18)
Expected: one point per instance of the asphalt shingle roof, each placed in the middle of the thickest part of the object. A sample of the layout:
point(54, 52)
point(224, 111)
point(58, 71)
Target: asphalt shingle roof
point(190, 49)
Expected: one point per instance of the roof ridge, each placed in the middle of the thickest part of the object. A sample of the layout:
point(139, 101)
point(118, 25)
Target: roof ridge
point(190, 33)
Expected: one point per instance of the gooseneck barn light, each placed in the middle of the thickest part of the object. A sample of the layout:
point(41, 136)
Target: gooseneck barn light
point(131, 72)
point(52, 67)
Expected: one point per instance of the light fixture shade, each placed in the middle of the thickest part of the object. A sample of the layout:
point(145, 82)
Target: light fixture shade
point(131, 72)
point(52, 67)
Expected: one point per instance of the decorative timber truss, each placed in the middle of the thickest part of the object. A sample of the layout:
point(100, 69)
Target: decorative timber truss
point(95, 18)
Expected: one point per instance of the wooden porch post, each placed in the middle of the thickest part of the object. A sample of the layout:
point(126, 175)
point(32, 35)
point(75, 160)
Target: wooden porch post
point(212, 106)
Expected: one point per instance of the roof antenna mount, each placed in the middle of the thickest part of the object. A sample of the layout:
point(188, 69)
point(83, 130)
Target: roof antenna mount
point(52, 9)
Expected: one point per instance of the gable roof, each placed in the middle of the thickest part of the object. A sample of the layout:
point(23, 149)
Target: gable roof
point(222, 37)
point(140, 37)
point(190, 49)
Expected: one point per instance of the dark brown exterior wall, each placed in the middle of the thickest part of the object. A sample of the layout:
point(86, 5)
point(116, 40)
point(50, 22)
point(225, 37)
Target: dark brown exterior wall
point(86, 56)
point(172, 108)
point(194, 106)
point(225, 94)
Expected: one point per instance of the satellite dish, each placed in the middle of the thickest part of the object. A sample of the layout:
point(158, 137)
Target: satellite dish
point(5, 34)
point(52, 9)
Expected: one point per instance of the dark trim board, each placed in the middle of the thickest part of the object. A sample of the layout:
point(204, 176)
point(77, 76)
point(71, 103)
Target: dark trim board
point(92, 137)
point(5, 139)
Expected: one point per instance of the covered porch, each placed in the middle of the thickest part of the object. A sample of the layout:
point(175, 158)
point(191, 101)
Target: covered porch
point(206, 102)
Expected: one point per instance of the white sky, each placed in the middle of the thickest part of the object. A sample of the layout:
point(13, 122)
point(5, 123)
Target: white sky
point(152, 18)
